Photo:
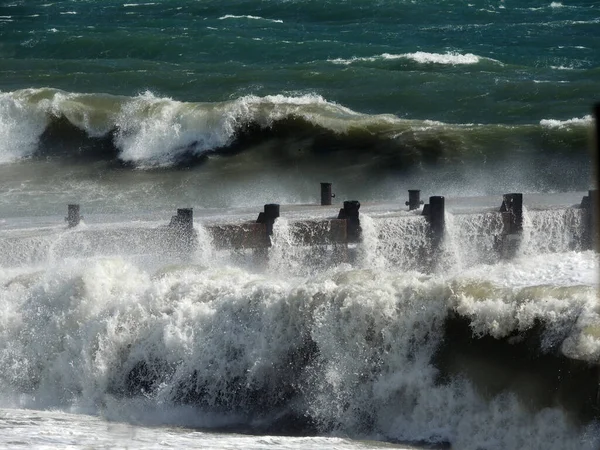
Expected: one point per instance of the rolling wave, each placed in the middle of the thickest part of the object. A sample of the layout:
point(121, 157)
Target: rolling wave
point(147, 131)
point(359, 352)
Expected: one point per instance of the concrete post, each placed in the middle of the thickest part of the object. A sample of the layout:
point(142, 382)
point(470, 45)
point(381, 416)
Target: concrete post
point(183, 226)
point(326, 194)
point(73, 218)
point(185, 217)
point(590, 229)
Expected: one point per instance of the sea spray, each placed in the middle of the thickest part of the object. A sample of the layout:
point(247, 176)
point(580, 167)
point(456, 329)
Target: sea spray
point(552, 231)
point(395, 243)
point(148, 131)
point(135, 109)
point(21, 126)
point(350, 348)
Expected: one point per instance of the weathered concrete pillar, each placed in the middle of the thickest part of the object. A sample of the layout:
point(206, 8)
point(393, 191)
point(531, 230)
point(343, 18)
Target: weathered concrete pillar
point(512, 213)
point(268, 216)
point(596, 153)
point(186, 218)
point(182, 225)
point(598, 391)
point(73, 218)
point(590, 220)
point(435, 212)
point(511, 209)
point(350, 213)
point(326, 194)
point(595, 210)
point(414, 199)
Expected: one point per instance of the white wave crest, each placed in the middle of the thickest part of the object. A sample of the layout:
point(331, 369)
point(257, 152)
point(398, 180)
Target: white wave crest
point(158, 131)
point(25, 114)
point(231, 16)
point(554, 123)
point(154, 131)
point(79, 333)
point(22, 122)
point(449, 58)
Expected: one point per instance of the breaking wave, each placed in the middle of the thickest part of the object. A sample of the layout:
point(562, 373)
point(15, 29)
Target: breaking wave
point(148, 131)
point(449, 58)
point(486, 356)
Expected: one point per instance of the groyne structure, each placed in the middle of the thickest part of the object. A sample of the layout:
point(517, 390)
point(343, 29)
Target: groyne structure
point(340, 230)
point(343, 226)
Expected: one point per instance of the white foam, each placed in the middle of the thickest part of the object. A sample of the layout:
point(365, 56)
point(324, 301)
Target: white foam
point(71, 335)
point(231, 16)
point(448, 58)
point(554, 123)
point(158, 131)
point(21, 124)
point(58, 430)
point(562, 68)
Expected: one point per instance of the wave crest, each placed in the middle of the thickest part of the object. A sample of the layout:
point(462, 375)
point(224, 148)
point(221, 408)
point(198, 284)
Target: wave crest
point(448, 58)
point(149, 131)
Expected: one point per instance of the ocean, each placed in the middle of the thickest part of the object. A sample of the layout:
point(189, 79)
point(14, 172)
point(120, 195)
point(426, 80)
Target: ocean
point(110, 338)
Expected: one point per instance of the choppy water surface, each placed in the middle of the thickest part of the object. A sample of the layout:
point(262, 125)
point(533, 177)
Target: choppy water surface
point(110, 338)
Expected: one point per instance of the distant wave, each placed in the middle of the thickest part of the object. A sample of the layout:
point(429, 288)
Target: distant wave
point(574, 122)
point(130, 5)
point(231, 16)
point(553, 5)
point(148, 131)
point(449, 58)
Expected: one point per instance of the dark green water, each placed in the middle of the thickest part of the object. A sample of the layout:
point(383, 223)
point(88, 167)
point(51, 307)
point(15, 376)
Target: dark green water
point(487, 61)
point(340, 90)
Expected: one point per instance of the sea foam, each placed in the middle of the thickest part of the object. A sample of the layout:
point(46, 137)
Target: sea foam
point(448, 58)
point(352, 346)
point(554, 123)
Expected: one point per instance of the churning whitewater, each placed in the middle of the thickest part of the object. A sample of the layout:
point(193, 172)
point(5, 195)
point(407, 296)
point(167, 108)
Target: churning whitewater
point(148, 131)
point(112, 337)
point(371, 348)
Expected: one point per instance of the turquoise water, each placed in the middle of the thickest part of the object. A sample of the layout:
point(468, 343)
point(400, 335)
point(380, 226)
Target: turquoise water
point(459, 62)
point(135, 109)
point(454, 98)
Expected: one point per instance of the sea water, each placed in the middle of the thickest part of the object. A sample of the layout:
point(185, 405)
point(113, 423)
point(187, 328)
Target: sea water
point(109, 339)
point(357, 349)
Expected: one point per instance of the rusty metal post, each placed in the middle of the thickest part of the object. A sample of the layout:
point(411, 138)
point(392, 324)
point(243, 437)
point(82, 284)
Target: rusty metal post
point(414, 199)
point(326, 194)
point(512, 206)
point(511, 209)
point(590, 220)
point(436, 217)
